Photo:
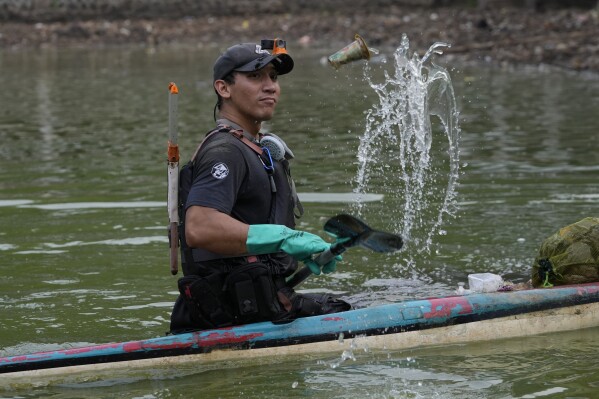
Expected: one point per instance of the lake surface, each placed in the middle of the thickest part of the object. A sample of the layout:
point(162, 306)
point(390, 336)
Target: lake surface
point(83, 246)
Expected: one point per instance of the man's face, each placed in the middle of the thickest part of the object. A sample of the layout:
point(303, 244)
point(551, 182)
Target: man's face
point(255, 94)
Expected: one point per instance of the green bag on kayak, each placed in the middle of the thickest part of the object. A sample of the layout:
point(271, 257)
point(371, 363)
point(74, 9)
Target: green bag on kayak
point(570, 256)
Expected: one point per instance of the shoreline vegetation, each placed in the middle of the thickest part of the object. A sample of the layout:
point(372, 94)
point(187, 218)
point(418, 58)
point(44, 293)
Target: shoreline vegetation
point(562, 37)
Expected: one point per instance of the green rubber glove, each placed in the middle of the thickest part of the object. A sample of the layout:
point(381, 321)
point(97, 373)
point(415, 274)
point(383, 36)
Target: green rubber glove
point(271, 238)
point(326, 269)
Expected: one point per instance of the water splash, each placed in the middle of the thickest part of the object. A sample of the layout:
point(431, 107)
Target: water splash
point(404, 154)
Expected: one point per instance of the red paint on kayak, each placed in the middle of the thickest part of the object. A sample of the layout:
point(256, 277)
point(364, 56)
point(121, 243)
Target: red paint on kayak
point(85, 349)
point(50, 355)
point(215, 338)
point(442, 307)
point(592, 288)
point(24, 358)
point(220, 338)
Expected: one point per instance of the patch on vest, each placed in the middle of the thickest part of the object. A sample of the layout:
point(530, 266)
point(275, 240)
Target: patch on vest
point(220, 171)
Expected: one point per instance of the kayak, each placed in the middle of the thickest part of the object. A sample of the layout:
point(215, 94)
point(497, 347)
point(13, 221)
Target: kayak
point(401, 325)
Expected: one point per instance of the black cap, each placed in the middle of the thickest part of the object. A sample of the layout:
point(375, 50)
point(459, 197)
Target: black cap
point(249, 57)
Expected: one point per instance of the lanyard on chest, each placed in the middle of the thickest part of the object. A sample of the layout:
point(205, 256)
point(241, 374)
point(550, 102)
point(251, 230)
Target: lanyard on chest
point(266, 158)
point(263, 155)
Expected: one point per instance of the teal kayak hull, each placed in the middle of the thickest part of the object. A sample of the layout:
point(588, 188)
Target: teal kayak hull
point(422, 317)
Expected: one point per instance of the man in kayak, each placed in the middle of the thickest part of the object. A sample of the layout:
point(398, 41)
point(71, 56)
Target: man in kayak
point(238, 239)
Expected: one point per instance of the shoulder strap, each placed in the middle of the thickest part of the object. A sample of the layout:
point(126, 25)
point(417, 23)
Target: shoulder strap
point(298, 208)
point(246, 141)
point(234, 132)
point(218, 129)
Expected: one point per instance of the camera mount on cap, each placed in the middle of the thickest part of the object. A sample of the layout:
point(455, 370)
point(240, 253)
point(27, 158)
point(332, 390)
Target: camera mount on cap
point(278, 46)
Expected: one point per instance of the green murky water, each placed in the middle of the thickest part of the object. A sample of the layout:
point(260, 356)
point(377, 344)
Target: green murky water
point(83, 248)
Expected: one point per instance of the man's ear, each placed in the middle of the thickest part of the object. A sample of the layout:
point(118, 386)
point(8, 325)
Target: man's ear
point(222, 88)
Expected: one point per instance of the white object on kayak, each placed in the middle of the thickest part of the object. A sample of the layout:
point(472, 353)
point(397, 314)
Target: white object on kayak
point(484, 282)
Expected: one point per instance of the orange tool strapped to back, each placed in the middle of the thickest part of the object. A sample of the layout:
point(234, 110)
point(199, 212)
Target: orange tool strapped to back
point(173, 176)
point(173, 148)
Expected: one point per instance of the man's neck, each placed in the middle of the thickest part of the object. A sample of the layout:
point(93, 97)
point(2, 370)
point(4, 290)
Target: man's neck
point(252, 127)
